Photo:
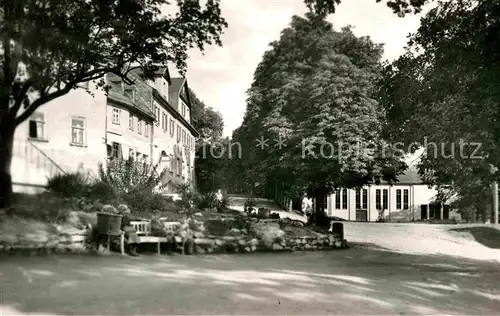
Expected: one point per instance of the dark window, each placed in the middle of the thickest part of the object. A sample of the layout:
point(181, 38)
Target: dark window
point(37, 126)
point(365, 199)
point(398, 199)
point(358, 199)
point(114, 151)
point(405, 199)
point(378, 199)
point(344, 199)
point(337, 200)
point(325, 202)
point(385, 201)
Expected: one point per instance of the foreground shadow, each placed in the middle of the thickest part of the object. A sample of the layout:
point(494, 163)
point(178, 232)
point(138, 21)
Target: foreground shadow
point(487, 236)
point(363, 280)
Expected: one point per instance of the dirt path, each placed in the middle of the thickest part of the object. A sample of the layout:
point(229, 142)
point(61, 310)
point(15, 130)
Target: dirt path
point(422, 239)
point(356, 281)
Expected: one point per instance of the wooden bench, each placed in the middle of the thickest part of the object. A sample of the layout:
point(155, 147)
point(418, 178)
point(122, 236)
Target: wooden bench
point(143, 230)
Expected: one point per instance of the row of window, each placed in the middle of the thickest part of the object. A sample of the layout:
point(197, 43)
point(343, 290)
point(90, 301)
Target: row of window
point(36, 129)
point(381, 199)
point(168, 126)
point(134, 123)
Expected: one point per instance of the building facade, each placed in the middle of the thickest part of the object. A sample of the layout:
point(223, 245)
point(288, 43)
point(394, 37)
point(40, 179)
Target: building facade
point(148, 120)
point(406, 200)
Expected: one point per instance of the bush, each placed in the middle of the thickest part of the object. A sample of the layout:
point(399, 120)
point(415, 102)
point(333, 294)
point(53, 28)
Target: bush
point(126, 176)
point(242, 222)
point(69, 184)
point(101, 191)
point(145, 201)
point(218, 227)
point(207, 201)
point(250, 205)
point(46, 207)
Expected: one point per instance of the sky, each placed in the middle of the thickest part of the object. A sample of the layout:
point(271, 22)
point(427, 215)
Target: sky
point(221, 75)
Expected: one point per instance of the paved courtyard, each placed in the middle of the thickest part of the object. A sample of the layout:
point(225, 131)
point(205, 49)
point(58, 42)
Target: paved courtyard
point(361, 280)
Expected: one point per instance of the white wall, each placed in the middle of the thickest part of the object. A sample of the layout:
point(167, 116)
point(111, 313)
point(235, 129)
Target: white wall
point(417, 195)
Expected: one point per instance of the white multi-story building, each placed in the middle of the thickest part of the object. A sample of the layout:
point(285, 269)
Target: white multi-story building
point(148, 120)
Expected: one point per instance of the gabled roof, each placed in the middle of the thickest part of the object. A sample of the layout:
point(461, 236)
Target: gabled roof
point(163, 72)
point(168, 106)
point(410, 176)
point(174, 92)
point(115, 95)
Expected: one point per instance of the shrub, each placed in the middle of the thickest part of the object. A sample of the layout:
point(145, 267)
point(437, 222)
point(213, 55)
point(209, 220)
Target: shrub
point(101, 191)
point(46, 207)
point(250, 205)
point(218, 227)
point(69, 184)
point(129, 175)
point(242, 222)
point(207, 200)
point(268, 234)
point(223, 205)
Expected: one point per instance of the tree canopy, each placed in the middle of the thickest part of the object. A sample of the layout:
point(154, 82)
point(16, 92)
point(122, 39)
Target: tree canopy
point(315, 90)
point(211, 164)
point(445, 91)
point(48, 47)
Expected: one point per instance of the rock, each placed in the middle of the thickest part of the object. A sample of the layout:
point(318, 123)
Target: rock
point(9, 239)
point(247, 249)
point(277, 247)
point(242, 242)
point(254, 242)
point(199, 250)
point(244, 232)
point(204, 241)
point(253, 248)
point(198, 235)
point(219, 242)
point(199, 214)
point(338, 244)
point(235, 232)
point(307, 247)
point(345, 245)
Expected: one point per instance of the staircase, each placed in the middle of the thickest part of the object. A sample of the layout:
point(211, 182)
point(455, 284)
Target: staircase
point(31, 167)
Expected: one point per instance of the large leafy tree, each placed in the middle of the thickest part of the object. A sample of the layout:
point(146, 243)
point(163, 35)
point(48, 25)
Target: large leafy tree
point(50, 46)
point(211, 161)
point(315, 90)
point(444, 94)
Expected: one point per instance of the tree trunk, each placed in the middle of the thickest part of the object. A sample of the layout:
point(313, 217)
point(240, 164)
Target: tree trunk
point(6, 146)
point(319, 197)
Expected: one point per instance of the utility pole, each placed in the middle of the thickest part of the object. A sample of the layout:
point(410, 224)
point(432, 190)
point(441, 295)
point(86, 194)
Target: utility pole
point(495, 203)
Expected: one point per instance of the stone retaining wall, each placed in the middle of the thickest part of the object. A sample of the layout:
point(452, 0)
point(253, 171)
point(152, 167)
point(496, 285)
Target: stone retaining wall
point(242, 244)
point(23, 237)
point(60, 241)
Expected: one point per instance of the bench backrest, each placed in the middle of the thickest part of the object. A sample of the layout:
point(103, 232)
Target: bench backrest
point(142, 227)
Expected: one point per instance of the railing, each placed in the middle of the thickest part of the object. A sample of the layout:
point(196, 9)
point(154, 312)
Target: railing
point(34, 155)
